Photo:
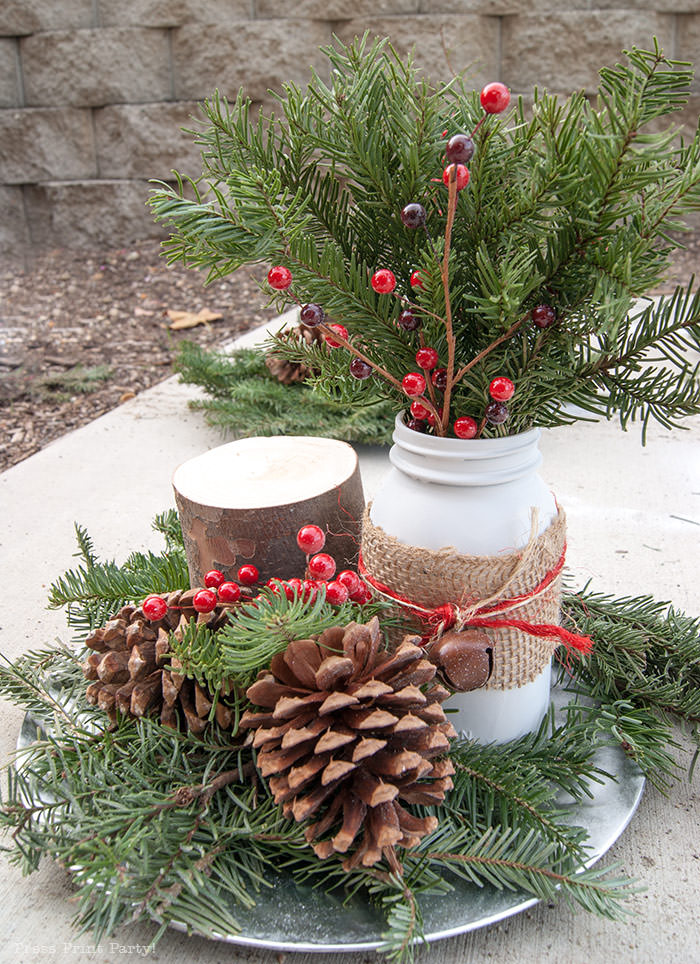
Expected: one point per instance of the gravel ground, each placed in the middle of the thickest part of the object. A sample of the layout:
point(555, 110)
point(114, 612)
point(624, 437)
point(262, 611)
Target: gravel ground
point(82, 333)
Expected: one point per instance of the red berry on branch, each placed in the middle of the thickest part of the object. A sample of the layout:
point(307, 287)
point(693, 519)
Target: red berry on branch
point(279, 277)
point(340, 330)
point(496, 413)
point(417, 279)
point(349, 579)
point(322, 566)
point(204, 600)
point(248, 574)
point(213, 578)
point(311, 315)
point(408, 321)
point(460, 149)
point(362, 596)
point(296, 586)
point(229, 592)
point(419, 411)
point(501, 389)
point(383, 281)
point(439, 379)
point(426, 358)
point(311, 538)
point(336, 593)
point(360, 369)
point(309, 591)
point(413, 384)
point(413, 216)
point(495, 97)
point(154, 608)
point(543, 316)
point(461, 175)
point(431, 417)
point(465, 427)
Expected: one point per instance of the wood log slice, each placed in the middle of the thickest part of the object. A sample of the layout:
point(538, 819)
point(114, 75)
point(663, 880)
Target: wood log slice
point(245, 502)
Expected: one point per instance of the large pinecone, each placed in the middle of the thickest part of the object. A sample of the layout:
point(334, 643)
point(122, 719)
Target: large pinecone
point(287, 371)
point(134, 672)
point(348, 735)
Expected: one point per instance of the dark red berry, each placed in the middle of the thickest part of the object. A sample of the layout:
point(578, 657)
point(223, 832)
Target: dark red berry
point(408, 321)
point(439, 379)
point(204, 600)
point(213, 578)
point(413, 384)
point(496, 413)
point(465, 427)
point(322, 566)
point(543, 316)
point(359, 368)
point(279, 277)
point(341, 331)
point(460, 149)
point(495, 97)
point(383, 281)
point(248, 574)
point(416, 425)
point(501, 389)
point(336, 593)
point(349, 579)
point(310, 539)
point(154, 608)
point(426, 358)
point(417, 279)
point(312, 315)
point(413, 216)
point(461, 175)
point(419, 411)
point(229, 592)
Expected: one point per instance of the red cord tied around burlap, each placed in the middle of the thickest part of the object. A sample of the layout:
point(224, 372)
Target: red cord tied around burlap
point(545, 555)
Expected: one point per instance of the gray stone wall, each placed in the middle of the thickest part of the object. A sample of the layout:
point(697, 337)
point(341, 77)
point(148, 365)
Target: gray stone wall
point(94, 93)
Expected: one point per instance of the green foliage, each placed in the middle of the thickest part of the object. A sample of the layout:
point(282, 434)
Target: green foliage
point(78, 380)
point(246, 400)
point(571, 205)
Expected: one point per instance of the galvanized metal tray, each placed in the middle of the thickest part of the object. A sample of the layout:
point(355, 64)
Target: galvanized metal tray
point(289, 917)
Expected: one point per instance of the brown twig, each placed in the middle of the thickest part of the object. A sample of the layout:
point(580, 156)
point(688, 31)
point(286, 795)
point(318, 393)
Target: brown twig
point(441, 425)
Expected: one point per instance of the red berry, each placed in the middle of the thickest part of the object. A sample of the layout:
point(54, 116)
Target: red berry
point(362, 596)
point(204, 600)
point(417, 279)
point(229, 592)
point(431, 417)
point(279, 277)
point(501, 389)
point(296, 586)
point(413, 384)
point(336, 593)
point(407, 320)
point(419, 411)
point(312, 315)
point(460, 149)
point(340, 330)
point(462, 175)
point(309, 590)
point(322, 566)
point(439, 379)
point(413, 216)
point(311, 538)
point(495, 97)
point(213, 578)
point(248, 574)
point(360, 369)
point(426, 358)
point(383, 281)
point(349, 579)
point(496, 413)
point(543, 316)
point(416, 425)
point(154, 608)
point(465, 427)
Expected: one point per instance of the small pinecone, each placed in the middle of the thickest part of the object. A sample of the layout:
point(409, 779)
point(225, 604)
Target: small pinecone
point(350, 734)
point(286, 371)
point(134, 673)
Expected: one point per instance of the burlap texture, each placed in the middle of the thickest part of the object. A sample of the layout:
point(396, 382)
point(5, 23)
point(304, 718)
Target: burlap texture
point(431, 578)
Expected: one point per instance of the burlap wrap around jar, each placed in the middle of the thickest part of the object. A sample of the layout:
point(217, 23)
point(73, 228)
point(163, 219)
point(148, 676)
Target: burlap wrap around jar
point(471, 525)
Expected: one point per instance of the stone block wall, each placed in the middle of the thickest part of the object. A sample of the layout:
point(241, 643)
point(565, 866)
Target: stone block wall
point(94, 93)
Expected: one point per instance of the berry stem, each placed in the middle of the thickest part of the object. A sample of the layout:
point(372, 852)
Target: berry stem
point(478, 125)
point(344, 343)
point(489, 348)
point(441, 426)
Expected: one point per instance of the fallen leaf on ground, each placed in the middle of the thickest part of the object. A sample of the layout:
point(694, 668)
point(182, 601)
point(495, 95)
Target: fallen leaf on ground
point(190, 319)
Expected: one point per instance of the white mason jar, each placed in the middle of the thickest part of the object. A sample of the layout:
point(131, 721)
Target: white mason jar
point(478, 497)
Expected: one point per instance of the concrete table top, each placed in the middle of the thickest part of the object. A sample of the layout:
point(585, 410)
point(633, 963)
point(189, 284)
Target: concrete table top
point(634, 527)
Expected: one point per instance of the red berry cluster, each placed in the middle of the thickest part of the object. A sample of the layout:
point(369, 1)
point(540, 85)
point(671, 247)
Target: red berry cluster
point(321, 568)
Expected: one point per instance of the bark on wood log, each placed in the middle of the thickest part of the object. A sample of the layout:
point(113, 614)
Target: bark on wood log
point(246, 501)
